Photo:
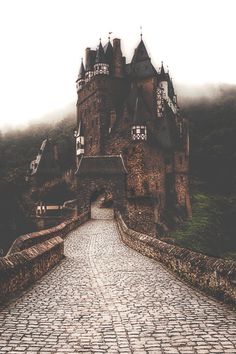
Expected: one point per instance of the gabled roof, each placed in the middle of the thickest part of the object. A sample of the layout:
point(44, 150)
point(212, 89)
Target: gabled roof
point(100, 55)
point(81, 71)
point(101, 165)
point(140, 53)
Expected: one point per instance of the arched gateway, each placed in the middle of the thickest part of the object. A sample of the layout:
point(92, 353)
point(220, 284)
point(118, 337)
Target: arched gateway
point(97, 173)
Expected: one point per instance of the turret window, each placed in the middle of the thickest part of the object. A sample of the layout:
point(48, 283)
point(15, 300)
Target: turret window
point(88, 76)
point(139, 132)
point(101, 69)
point(160, 106)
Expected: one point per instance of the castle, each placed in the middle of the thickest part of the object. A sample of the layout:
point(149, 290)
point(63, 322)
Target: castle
point(131, 137)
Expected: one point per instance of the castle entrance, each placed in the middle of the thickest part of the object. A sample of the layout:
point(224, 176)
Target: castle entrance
point(101, 177)
point(102, 206)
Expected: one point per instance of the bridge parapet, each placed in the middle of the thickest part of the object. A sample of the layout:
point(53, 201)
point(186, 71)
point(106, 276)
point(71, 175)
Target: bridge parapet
point(32, 255)
point(34, 238)
point(215, 276)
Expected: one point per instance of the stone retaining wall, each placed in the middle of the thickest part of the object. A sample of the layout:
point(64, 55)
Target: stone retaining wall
point(213, 275)
point(32, 255)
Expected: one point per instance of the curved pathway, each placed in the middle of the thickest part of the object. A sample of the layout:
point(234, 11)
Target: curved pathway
point(107, 298)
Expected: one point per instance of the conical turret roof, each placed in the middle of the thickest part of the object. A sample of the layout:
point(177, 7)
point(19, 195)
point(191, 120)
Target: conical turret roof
point(81, 71)
point(100, 55)
point(108, 50)
point(162, 74)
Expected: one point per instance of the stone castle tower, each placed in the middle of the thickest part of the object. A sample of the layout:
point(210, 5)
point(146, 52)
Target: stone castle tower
point(131, 109)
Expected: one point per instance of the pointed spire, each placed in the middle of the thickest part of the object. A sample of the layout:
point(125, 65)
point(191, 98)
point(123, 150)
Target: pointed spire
point(81, 70)
point(140, 53)
point(109, 53)
point(162, 75)
point(100, 55)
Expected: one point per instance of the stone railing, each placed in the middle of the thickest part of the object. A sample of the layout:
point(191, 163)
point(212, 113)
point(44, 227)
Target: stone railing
point(213, 275)
point(32, 239)
point(32, 255)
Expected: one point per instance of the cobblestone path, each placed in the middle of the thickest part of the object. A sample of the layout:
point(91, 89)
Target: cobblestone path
point(106, 298)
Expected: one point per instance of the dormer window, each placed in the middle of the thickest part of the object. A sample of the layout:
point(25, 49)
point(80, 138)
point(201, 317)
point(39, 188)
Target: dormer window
point(139, 132)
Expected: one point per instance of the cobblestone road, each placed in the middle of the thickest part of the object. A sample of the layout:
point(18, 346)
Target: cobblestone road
point(106, 298)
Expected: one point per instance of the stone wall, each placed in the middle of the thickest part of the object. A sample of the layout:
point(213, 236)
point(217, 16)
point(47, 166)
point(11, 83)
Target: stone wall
point(88, 185)
point(31, 239)
point(19, 270)
point(212, 275)
point(32, 255)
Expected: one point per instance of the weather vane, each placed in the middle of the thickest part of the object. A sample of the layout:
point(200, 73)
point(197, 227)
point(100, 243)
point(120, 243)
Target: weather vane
point(109, 37)
point(141, 31)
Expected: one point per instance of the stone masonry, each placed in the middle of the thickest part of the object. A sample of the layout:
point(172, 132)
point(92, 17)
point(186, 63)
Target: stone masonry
point(106, 298)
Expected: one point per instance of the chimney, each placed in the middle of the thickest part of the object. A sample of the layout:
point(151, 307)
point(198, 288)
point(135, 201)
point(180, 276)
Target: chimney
point(118, 60)
point(87, 59)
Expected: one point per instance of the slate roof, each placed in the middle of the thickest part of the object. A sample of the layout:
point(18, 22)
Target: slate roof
point(140, 53)
point(100, 55)
point(101, 165)
point(108, 50)
point(162, 75)
point(141, 66)
point(81, 71)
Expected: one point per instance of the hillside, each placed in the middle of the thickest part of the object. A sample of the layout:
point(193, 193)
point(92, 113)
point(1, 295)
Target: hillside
point(212, 119)
point(17, 149)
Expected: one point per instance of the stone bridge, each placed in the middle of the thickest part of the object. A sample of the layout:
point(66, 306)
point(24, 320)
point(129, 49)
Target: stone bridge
point(106, 298)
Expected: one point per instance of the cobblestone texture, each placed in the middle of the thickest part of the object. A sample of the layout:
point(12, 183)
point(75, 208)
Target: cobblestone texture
point(106, 298)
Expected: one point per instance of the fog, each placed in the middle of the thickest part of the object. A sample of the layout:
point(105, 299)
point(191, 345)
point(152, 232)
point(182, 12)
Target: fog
point(43, 41)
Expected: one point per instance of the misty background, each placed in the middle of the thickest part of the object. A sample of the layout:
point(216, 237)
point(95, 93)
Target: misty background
point(42, 43)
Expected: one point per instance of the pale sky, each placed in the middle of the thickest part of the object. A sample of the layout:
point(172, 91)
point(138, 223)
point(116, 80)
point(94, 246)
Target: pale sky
point(42, 42)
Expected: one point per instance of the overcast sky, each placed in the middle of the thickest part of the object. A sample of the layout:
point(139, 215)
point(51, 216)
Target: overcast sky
point(42, 42)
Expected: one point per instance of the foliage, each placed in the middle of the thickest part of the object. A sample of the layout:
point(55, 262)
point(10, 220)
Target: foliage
point(56, 191)
point(18, 148)
point(15, 209)
point(211, 228)
point(212, 140)
point(212, 123)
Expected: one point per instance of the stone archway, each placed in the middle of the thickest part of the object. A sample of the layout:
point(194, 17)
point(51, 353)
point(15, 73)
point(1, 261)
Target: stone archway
point(96, 173)
point(100, 209)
